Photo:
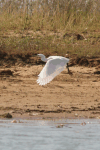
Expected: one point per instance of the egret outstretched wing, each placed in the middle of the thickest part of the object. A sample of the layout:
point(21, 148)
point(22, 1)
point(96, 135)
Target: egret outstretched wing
point(52, 68)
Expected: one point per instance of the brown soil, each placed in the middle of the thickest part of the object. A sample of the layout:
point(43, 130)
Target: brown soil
point(67, 96)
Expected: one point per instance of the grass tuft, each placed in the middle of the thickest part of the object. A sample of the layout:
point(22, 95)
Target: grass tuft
point(50, 27)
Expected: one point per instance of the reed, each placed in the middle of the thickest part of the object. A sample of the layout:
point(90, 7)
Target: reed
point(49, 15)
point(66, 17)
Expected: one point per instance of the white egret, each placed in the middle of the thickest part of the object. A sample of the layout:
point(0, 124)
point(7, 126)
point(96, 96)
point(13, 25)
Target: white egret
point(54, 65)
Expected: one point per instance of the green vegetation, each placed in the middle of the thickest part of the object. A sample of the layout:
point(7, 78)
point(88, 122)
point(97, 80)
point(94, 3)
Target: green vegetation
point(52, 27)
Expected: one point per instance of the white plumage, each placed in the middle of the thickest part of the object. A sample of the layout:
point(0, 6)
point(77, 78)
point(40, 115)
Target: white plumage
point(54, 65)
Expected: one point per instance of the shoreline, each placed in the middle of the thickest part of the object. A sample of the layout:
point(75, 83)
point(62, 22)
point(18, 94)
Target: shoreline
point(67, 96)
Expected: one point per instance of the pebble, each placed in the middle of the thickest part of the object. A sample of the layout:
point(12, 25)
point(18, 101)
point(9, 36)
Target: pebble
point(14, 121)
point(60, 126)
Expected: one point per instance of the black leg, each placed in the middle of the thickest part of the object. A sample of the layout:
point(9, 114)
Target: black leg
point(67, 67)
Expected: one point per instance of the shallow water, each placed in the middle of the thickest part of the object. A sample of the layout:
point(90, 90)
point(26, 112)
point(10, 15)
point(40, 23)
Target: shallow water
point(81, 134)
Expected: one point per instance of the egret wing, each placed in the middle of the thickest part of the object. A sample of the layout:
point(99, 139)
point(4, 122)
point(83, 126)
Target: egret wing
point(52, 68)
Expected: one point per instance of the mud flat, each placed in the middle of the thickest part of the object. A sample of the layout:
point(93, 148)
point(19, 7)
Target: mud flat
point(75, 95)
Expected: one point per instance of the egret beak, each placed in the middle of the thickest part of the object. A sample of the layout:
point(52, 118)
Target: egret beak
point(34, 55)
point(38, 55)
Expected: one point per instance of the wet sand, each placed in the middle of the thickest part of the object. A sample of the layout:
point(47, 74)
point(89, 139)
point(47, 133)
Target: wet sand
point(75, 95)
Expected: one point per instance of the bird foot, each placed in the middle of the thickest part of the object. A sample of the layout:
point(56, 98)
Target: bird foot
point(70, 72)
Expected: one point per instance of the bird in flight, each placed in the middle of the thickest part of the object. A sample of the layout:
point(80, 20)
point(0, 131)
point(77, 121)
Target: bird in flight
point(54, 65)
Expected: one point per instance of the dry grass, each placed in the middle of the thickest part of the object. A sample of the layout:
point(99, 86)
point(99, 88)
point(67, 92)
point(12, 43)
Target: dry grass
point(50, 27)
point(49, 15)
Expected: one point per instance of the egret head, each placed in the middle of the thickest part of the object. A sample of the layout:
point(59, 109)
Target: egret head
point(42, 57)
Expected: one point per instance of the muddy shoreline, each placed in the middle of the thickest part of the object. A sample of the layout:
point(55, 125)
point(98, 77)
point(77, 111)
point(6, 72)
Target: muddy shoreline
point(75, 95)
point(20, 59)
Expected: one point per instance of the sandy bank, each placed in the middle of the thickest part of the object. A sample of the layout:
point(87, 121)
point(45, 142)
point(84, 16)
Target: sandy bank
point(76, 95)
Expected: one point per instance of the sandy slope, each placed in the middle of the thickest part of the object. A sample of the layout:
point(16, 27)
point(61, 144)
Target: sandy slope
point(76, 95)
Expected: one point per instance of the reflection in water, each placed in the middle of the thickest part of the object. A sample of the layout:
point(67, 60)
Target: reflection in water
point(51, 135)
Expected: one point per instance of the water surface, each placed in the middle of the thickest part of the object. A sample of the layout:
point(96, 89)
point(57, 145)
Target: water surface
point(50, 135)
